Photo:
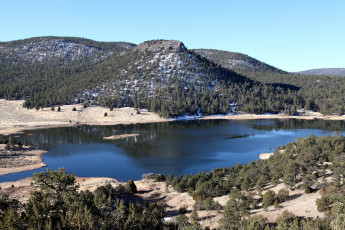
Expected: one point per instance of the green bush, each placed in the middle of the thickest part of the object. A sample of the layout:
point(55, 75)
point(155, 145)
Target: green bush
point(269, 198)
point(132, 187)
point(183, 210)
point(283, 195)
point(159, 177)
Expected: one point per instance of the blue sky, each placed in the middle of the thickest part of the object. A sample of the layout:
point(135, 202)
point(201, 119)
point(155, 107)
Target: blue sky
point(292, 35)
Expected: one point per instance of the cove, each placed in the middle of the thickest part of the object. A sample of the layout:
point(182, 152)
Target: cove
point(180, 147)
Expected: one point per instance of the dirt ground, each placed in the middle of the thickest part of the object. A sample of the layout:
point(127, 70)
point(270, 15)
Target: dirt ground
point(15, 118)
point(19, 160)
point(307, 115)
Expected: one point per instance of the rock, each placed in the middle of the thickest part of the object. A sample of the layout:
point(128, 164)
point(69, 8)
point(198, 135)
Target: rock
point(149, 176)
point(161, 45)
point(265, 156)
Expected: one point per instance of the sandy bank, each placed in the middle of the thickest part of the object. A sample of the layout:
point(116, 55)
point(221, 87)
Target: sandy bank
point(14, 118)
point(307, 115)
point(116, 137)
point(13, 161)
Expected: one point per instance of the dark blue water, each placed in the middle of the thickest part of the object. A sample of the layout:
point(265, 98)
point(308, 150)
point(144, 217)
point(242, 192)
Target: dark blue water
point(176, 147)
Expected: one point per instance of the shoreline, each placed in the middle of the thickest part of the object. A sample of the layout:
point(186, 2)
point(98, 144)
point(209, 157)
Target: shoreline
point(27, 159)
point(16, 119)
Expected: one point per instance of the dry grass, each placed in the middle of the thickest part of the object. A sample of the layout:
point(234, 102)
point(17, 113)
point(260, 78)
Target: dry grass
point(14, 118)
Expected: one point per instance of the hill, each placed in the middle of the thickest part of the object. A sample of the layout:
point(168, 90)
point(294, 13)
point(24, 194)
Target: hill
point(50, 50)
point(236, 61)
point(325, 71)
point(162, 76)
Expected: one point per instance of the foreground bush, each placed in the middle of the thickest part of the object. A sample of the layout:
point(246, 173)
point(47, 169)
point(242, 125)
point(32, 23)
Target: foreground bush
point(59, 205)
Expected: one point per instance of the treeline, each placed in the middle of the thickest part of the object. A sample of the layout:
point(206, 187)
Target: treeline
point(319, 93)
point(106, 46)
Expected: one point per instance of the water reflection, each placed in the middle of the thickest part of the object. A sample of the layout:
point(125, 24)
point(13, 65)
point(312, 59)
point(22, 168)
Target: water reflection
point(176, 147)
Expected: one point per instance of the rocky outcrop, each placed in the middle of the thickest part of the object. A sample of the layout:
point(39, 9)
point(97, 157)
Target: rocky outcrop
point(161, 45)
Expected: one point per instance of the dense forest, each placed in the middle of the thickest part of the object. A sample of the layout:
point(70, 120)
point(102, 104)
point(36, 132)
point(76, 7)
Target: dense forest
point(319, 93)
point(313, 164)
point(52, 71)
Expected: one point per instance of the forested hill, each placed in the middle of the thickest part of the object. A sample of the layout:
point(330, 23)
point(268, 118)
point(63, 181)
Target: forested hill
point(325, 71)
point(236, 61)
point(159, 75)
point(319, 93)
point(162, 76)
point(52, 50)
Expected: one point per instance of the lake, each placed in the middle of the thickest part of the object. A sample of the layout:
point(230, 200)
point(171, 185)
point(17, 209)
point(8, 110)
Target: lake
point(180, 147)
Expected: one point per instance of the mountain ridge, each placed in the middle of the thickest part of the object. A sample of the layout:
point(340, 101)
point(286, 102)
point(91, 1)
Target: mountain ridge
point(324, 71)
point(61, 49)
point(236, 61)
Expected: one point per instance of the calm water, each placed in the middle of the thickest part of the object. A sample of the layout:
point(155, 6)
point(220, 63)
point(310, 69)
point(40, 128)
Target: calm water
point(177, 147)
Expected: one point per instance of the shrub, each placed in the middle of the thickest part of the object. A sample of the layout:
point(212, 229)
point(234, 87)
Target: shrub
point(7, 147)
point(194, 215)
point(269, 198)
point(283, 195)
point(74, 109)
point(208, 203)
point(132, 187)
point(324, 204)
point(159, 177)
point(308, 190)
point(182, 210)
point(199, 204)
point(59, 109)
point(105, 114)
point(182, 221)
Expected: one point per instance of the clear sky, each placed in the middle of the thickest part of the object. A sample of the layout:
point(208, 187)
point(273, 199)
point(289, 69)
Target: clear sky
point(292, 35)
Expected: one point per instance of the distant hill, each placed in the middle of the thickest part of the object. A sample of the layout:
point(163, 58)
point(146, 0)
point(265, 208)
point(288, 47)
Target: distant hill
point(52, 50)
point(236, 61)
point(325, 71)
